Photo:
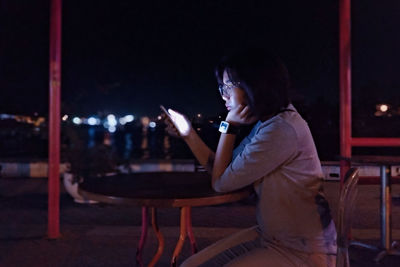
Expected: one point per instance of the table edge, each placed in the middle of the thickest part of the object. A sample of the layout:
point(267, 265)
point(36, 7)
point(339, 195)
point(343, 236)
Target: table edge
point(176, 202)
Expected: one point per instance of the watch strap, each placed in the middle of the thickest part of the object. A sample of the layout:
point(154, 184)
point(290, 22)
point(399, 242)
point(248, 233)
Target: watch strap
point(228, 128)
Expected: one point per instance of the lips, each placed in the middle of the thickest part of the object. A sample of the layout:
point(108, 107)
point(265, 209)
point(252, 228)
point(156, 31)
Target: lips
point(228, 107)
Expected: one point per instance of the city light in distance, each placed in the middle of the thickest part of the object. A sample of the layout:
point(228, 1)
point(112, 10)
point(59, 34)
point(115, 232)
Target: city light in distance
point(129, 118)
point(93, 121)
point(383, 107)
point(126, 119)
point(77, 120)
point(112, 120)
point(145, 121)
point(386, 110)
point(113, 123)
point(122, 121)
point(6, 116)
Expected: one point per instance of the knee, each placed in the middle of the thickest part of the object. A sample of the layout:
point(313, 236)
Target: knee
point(189, 262)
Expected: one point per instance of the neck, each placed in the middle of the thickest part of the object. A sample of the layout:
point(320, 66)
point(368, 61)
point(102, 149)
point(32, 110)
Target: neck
point(266, 117)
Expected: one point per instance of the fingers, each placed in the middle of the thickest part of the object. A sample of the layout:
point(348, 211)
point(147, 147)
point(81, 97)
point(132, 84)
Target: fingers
point(171, 129)
point(172, 132)
point(244, 112)
point(180, 122)
point(168, 121)
point(247, 116)
point(241, 115)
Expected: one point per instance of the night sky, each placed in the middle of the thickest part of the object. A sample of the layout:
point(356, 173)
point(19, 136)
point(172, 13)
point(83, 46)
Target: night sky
point(131, 56)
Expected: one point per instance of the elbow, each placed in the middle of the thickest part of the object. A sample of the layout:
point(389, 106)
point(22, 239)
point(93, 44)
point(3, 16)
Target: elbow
point(215, 184)
point(218, 186)
point(218, 181)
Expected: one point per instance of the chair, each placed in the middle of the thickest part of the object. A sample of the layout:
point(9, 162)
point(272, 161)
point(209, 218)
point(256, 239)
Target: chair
point(348, 194)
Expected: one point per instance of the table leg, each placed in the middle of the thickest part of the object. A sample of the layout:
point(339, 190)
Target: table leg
point(387, 247)
point(385, 212)
point(190, 230)
point(143, 236)
point(386, 215)
point(182, 236)
point(159, 236)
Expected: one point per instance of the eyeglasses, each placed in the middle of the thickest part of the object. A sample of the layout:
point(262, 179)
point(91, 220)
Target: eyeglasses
point(226, 89)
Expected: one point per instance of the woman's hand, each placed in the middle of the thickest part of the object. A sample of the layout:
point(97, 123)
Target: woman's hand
point(177, 124)
point(171, 129)
point(240, 115)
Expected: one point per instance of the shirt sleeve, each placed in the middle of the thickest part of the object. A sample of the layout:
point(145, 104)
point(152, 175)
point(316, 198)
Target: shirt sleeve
point(246, 140)
point(271, 146)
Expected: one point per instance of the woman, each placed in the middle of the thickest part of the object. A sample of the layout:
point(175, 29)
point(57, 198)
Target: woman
point(278, 158)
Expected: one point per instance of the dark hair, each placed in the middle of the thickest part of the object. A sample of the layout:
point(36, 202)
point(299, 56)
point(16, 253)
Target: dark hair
point(263, 77)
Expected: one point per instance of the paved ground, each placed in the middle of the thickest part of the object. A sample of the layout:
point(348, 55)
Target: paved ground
point(104, 235)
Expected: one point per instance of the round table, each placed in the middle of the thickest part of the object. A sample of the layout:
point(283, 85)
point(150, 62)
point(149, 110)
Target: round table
point(156, 190)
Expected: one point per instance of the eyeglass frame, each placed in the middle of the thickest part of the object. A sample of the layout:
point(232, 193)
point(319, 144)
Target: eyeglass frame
point(226, 89)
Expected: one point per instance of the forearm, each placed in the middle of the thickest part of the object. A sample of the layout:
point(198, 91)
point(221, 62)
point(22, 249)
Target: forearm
point(223, 156)
point(201, 151)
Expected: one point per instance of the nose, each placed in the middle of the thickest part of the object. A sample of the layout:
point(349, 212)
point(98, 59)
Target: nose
point(225, 97)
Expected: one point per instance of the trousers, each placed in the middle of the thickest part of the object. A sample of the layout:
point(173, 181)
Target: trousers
point(245, 248)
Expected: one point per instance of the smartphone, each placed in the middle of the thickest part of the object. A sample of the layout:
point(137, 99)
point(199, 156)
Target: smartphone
point(165, 111)
point(179, 122)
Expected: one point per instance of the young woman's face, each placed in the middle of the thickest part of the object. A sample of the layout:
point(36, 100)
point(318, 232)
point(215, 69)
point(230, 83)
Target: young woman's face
point(231, 94)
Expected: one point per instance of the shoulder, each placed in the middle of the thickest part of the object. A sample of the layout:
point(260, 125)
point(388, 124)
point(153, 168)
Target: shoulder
point(277, 126)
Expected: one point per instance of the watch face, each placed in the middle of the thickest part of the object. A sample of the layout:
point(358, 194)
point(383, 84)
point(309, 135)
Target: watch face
point(223, 127)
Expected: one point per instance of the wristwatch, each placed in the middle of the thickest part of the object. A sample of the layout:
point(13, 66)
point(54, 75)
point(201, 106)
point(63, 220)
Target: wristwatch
point(227, 128)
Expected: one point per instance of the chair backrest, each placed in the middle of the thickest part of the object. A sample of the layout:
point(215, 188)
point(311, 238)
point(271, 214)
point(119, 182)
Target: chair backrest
point(348, 194)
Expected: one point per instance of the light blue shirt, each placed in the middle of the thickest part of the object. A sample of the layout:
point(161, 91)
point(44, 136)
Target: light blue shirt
point(280, 160)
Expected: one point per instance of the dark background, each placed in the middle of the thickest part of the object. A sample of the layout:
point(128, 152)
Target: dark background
point(130, 56)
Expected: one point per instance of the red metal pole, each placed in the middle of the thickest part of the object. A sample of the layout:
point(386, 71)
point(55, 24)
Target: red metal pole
point(54, 120)
point(375, 141)
point(345, 83)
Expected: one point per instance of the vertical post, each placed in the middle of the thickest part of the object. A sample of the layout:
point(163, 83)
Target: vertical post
point(54, 121)
point(386, 203)
point(345, 84)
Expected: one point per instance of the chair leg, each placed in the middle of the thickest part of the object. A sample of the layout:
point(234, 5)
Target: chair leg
point(342, 258)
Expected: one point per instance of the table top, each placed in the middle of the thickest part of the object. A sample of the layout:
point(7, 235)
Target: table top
point(376, 160)
point(158, 189)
